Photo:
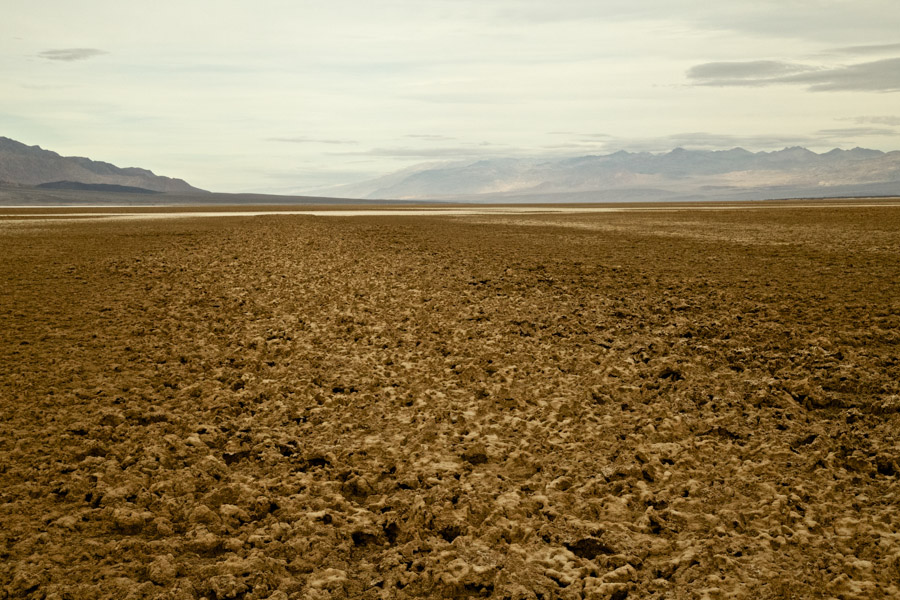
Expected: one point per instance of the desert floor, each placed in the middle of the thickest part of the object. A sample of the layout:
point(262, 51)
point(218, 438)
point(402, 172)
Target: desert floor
point(645, 404)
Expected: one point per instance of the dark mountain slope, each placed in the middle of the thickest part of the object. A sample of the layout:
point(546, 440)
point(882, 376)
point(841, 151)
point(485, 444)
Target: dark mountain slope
point(32, 165)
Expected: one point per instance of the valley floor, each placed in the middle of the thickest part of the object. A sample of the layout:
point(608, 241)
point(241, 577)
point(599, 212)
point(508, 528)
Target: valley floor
point(641, 404)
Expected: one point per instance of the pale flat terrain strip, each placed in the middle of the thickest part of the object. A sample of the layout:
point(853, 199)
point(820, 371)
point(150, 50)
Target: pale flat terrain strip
point(473, 211)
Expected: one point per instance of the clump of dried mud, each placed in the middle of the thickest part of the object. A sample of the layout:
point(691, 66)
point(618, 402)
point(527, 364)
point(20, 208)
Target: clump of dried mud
point(672, 405)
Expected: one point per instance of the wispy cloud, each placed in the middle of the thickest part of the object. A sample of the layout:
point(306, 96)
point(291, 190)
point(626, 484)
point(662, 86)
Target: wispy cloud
point(870, 49)
point(409, 152)
point(430, 137)
point(479, 150)
point(71, 54)
point(875, 76)
point(857, 132)
point(875, 120)
point(743, 73)
point(701, 140)
point(46, 86)
point(307, 140)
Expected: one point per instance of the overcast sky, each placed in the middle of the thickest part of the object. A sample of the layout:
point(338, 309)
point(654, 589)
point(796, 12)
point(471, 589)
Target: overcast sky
point(285, 96)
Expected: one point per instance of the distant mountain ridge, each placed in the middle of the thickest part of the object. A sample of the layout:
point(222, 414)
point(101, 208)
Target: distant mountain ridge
point(94, 187)
point(677, 175)
point(21, 164)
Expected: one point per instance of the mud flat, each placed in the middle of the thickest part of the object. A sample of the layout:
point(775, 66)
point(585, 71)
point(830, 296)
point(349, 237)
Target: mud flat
point(644, 404)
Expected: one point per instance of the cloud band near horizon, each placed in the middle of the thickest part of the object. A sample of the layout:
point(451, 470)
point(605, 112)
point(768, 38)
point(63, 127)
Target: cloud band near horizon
point(875, 76)
point(71, 54)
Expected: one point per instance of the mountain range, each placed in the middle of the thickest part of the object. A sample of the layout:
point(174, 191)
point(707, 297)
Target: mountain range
point(735, 174)
point(33, 166)
point(685, 175)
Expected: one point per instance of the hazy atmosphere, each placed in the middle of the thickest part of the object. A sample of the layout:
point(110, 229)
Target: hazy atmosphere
point(289, 97)
point(508, 299)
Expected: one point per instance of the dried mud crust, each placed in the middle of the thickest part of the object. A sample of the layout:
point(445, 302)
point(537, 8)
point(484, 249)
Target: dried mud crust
point(291, 407)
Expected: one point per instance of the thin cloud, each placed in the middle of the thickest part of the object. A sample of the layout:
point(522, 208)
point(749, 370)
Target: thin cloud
point(715, 73)
point(46, 86)
point(857, 131)
point(875, 76)
point(795, 20)
point(875, 120)
point(430, 137)
point(822, 139)
point(580, 147)
point(426, 153)
point(71, 54)
point(306, 140)
point(713, 141)
point(700, 140)
point(869, 49)
point(404, 152)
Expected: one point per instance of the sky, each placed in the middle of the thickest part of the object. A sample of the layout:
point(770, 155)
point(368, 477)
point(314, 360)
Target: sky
point(291, 96)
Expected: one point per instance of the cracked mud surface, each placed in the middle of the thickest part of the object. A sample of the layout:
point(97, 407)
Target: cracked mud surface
point(622, 405)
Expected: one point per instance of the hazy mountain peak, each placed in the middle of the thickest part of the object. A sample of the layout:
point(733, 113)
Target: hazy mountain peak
point(8, 144)
point(678, 174)
point(798, 150)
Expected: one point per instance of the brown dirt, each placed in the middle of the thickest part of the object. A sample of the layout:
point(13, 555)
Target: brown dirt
point(644, 405)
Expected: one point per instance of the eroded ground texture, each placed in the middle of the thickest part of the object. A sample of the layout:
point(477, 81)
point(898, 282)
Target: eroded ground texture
point(679, 404)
